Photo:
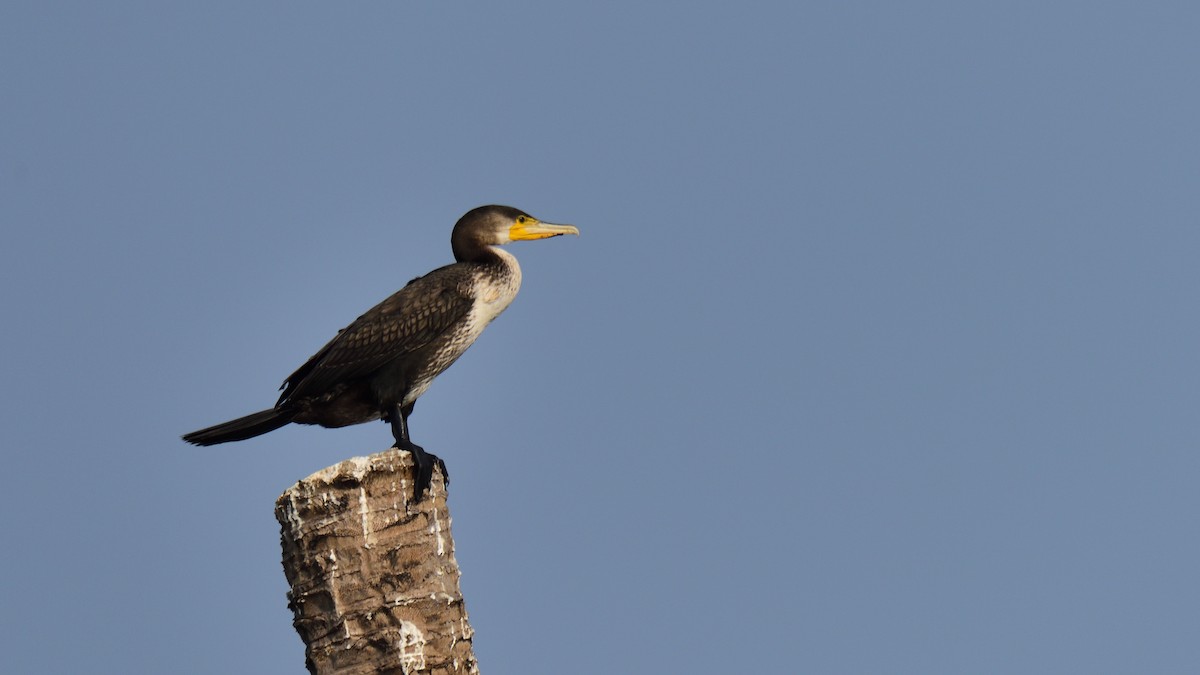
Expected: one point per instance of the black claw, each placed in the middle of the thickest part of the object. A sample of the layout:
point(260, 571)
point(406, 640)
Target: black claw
point(445, 473)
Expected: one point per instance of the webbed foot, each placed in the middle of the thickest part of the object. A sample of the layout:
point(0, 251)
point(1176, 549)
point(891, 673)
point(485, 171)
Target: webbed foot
point(423, 463)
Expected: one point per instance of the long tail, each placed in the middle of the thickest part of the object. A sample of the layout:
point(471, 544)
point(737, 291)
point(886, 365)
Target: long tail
point(242, 428)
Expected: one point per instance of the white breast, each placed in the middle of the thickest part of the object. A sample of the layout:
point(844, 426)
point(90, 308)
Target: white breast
point(492, 294)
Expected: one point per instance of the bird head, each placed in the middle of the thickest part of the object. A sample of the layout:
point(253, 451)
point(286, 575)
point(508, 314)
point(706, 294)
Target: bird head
point(495, 225)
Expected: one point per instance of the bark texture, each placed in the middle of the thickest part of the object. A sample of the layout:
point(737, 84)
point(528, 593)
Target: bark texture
point(374, 582)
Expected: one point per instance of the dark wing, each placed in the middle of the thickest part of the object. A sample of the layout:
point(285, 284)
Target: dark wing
point(411, 318)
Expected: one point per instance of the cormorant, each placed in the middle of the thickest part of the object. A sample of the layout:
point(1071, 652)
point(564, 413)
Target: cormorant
point(378, 366)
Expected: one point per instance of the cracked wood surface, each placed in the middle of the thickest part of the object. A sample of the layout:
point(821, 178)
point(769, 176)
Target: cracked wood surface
point(374, 583)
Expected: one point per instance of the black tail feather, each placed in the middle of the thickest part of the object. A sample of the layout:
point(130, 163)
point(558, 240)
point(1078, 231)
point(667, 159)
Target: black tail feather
point(242, 428)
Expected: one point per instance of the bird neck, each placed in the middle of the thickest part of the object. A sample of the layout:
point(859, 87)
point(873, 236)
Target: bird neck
point(495, 262)
point(504, 261)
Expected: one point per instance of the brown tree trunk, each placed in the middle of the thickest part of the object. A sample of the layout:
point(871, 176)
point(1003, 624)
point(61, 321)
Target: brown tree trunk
point(374, 582)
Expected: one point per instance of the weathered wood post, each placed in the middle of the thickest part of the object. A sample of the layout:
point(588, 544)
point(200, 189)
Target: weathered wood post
point(374, 582)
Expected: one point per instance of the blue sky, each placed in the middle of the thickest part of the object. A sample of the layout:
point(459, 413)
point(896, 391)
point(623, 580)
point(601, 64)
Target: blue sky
point(877, 352)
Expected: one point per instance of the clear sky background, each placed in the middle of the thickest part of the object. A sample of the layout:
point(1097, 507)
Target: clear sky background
point(877, 353)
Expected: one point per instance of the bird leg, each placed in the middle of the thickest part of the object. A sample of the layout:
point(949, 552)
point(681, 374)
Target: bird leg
point(423, 462)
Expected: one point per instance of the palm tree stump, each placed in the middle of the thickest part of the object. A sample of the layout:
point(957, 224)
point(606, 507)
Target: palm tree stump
point(374, 583)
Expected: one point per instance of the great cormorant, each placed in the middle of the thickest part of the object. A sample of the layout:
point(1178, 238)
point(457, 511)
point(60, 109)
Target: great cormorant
point(378, 366)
